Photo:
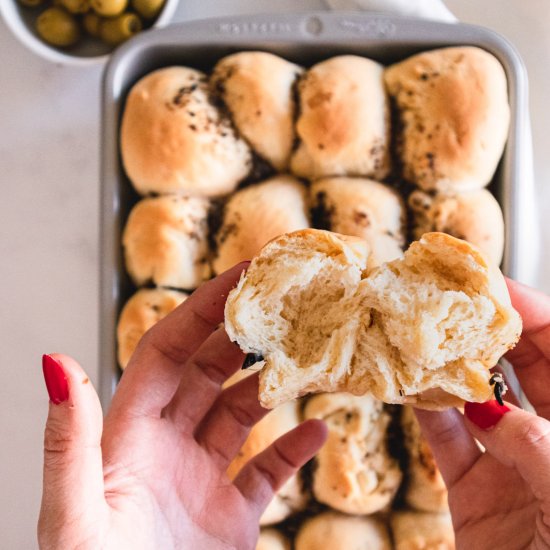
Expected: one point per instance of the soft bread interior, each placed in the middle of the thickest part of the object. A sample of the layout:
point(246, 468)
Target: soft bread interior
point(436, 309)
point(424, 329)
point(293, 307)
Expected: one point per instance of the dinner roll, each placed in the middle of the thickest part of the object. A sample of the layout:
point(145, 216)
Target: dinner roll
point(421, 531)
point(425, 329)
point(333, 531)
point(362, 208)
point(257, 88)
point(291, 497)
point(354, 472)
point(174, 140)
point(474, 216)
point(425, 490)
point(272, 539)
point(257, 214)
point(143, 310)
point(454, 112)
point(343, 125)
point(166, 241)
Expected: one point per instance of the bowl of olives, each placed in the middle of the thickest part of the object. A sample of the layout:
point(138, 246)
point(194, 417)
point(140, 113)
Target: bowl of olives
point(82, 32)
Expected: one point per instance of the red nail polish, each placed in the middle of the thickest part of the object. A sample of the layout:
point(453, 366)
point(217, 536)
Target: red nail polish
point(56, 380)
point(485, 415)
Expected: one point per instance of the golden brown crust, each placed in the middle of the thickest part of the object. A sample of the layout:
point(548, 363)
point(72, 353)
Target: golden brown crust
point(343, 125)
point(454, 110)
point(363, 208)
point(174, 140)
point(255, 215)
point(165, 241)
point(354, 472)
point(425, 488)
point(257, 88)
point(335, 531)
point(142, 311)
point(474, 216)
point(422, 531)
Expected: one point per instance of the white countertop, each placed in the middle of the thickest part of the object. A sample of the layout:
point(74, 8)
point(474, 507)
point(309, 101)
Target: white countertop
point(49, 212)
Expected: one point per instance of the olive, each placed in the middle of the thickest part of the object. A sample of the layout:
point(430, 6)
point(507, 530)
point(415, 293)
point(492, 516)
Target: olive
point(117, 30)
point(31, 3)
point(76, 6)
point(148, 8)
point(109, 8)
point(57, 27)
point(91, 23)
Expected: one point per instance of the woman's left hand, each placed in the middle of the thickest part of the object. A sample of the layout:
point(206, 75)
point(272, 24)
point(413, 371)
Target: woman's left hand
point(152, 475)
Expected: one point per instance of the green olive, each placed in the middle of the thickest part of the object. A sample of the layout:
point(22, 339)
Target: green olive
point(57, 27)
point(31, 3)
point(148, 8)
point(76, 6)
point(92, 23)
point(117, 30)
point(109, 8)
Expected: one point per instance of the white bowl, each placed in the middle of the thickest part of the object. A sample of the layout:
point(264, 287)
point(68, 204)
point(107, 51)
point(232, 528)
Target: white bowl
point(20, 20)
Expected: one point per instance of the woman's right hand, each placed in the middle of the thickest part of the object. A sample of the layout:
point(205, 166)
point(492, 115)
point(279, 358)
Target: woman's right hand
point(500, 498)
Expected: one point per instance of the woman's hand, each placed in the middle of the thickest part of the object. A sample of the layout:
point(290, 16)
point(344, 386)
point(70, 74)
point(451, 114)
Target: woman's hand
point(152, 475)
point(501, 498)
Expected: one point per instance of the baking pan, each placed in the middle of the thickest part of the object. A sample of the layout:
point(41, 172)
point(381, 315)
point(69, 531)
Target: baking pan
point(304, 39)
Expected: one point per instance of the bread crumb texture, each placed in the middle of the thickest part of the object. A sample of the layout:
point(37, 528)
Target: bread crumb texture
point(424, 329)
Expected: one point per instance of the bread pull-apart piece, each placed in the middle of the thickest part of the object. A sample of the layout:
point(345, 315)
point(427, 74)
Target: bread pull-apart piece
point(424, 329)
point(173, 138)
point(343, 126)
point(166, 241)
point(354, 472)
point(474, 216)
point(425, 488)
point(422, 531)
point(291, 497)
point(362, 208)
point(454, 117)
point(335, 531)
point(255, 215)
point(297, 307)
point(272, 539)
point(258, 90)
point(143, 310)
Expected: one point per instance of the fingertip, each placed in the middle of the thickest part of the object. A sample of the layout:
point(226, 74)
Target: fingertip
point(486, 415)
point(316, 430)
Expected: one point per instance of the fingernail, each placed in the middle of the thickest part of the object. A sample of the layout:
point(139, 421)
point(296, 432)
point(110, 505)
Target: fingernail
point(56, 381)
point(485, 415)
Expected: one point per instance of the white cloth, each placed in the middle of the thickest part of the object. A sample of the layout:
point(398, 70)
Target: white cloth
point(428, 9)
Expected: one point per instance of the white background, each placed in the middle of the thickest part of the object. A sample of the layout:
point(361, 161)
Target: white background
point(49, 211)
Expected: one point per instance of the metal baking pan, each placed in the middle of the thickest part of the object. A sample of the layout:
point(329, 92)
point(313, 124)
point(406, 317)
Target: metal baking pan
point(304, 39)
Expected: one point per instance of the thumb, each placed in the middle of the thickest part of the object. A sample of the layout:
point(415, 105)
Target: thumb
point(73, 472)
point(516, 438)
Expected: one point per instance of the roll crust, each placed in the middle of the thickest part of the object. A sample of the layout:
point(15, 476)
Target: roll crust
point(474, 216)
point(166, 242)
point(422, 531)
point(173, 139)
point(255, 215)
point(454, 113)
point(362, 208)
point(342, 532)
point(142, 311)
point(257, 88)
point(354, 472)
point(344, 126)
